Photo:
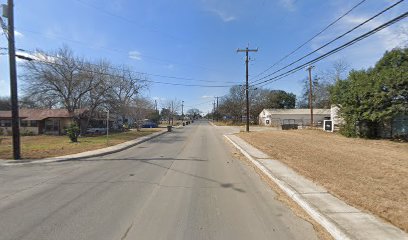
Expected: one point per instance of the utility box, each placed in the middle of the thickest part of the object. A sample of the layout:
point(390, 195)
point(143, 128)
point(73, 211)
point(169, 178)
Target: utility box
point(328, 125)
point(4, 10)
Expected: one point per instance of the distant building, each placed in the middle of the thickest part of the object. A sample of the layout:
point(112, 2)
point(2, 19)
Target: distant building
point(42, 121)
point(301, 117)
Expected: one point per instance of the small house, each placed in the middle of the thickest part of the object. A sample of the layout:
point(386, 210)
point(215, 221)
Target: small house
point(300, 117)
point(41, 121)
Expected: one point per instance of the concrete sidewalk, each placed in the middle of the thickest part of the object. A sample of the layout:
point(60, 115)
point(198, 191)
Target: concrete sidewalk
point(87, 154)
point(341, 220)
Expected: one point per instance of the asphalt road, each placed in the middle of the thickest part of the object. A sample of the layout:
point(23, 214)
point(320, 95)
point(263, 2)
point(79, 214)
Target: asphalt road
point(181, 185)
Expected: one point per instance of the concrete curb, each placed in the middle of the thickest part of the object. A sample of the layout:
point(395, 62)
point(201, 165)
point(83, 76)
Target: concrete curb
point(341, 220)
point(87, 154)
point(331, 227)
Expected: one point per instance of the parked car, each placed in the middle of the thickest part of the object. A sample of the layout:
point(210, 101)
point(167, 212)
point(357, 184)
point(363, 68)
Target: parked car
point(149, 124)
point(96, 131)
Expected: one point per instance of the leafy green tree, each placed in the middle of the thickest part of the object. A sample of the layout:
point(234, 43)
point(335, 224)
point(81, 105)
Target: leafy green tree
point(371, 97)
point(73, 132)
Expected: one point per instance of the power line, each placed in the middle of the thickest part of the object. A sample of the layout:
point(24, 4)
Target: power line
point(145, 73)
point(198, 104)
point(125, 19)
point(335, 50)
point(115, 75)
point(303, 44)
point(87, 45)
point(335, 39)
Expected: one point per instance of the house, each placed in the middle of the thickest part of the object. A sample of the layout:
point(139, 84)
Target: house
point(41, 121)
point(301, 117)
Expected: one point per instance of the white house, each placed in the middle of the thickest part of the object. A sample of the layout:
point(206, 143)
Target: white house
point(301, 117)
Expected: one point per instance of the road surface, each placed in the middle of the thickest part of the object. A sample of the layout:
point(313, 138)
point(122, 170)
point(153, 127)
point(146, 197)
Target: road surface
point(181, 185)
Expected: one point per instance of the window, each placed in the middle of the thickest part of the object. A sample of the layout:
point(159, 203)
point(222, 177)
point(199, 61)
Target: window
point(267, 121)
point(5, 123)
point(34, 123)
point(51, 125)
point(23, 123)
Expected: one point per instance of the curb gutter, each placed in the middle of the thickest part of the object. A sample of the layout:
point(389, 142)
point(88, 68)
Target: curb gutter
point(87, 154)
point(357, 225)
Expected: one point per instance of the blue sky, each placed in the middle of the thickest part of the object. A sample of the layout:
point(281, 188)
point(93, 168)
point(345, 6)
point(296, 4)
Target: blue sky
point(198, 38)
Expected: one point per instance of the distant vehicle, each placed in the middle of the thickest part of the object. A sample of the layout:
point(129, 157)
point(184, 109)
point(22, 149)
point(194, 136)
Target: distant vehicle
point(149, 124)
point(96, 131)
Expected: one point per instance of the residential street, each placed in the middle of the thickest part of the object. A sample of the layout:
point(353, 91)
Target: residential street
point(182, 185)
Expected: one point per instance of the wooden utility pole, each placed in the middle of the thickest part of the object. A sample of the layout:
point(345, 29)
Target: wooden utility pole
point(182, 112)
point(310, 94)
point(213, 115)
point(217, 110)
point(15, 121)
point(246, 50)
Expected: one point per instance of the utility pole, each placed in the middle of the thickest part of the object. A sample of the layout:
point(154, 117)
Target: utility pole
point(216, 110)
point(310, 94)
point(246, 50)
point(213, 111)
point(182, 112)
point(15, 121)
point(107, 127)
point(172, 113)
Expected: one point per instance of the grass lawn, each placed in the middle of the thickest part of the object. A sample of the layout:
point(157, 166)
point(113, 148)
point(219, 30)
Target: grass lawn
point(42, 146)
point(369, 174)
point(228, 123)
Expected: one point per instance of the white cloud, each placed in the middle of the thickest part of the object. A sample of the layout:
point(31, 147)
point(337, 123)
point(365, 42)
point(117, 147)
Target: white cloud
point(389, 37)
point(170, 66)
point(223, 15)
point(367, 52)
point(18, 34)
point(288, 4)
point(207, 96)
point(159, 98)
point(221, 9)
point(135, 55)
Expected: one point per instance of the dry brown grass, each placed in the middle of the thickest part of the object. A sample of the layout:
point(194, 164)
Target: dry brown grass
point(369, 174)
point(43, 146)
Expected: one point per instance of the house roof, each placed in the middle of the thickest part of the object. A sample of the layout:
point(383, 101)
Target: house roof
point(40, 114)
point(297, 111)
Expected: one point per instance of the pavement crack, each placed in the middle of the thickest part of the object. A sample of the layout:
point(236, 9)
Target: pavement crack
point(126, 232)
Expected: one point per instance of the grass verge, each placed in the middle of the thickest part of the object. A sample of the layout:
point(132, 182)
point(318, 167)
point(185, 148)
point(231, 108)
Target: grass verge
point(43, 146)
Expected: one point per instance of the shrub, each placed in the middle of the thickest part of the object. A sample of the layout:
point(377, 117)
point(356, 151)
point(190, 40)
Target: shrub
point(27, 133)
point(73, 132)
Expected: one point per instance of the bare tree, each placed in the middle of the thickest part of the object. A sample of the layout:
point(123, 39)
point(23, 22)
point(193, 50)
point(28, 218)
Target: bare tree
point(96, 98)
point(336, 72)
point(193, 113)
point(62, 78)
point(140, 109)
point(173, 106)
point(125, 86)
point(5, 104)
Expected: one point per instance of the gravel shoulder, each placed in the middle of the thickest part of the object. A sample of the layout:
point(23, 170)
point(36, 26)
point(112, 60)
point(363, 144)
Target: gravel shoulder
point(368, 174)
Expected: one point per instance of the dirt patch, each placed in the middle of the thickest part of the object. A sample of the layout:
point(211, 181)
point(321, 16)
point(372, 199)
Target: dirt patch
point(369, 174)
point(43, 146)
